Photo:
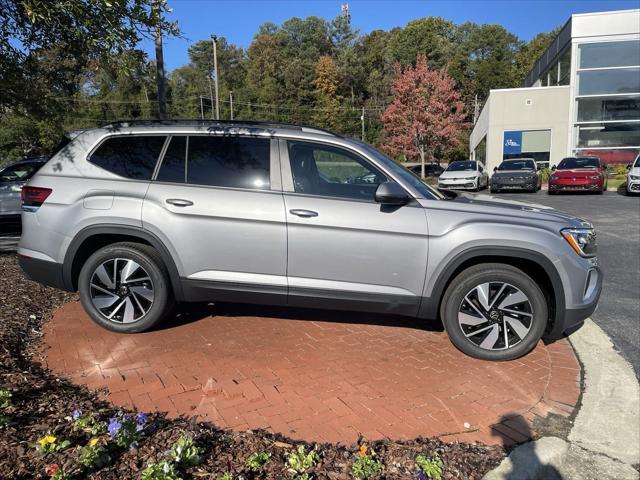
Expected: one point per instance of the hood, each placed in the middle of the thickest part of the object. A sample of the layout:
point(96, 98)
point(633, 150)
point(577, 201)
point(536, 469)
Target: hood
point(457, 175)
point(577, 172)
point(634, 171)
point(514, 173)
point(519, 211)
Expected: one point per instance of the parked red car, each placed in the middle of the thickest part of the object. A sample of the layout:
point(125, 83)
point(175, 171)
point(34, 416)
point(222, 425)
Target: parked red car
point(578, 174)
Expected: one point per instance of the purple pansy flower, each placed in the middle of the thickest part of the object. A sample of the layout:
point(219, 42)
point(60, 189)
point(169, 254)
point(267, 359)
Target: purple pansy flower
point(142, 418)
point(77, 413)
point(114, 427)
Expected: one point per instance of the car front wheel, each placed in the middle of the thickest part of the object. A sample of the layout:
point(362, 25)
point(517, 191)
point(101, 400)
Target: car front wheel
point(124, 287)
point(494, 312)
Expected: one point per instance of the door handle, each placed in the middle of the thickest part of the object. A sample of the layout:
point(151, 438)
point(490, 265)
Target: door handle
point(179, 202)
point(303, 213)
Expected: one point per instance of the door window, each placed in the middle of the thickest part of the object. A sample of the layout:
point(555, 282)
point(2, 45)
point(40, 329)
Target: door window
point(129, 156)
point(237, 162)
point(173, 164)
point(332, 172)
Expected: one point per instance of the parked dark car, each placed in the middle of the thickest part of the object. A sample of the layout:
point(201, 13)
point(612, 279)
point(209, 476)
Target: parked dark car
point(516, 174)
point(578, 174)
point(430, 170)
point(12, 179)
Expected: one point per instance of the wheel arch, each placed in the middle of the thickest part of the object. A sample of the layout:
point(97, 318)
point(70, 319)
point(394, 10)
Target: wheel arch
point(532, 263)
point(91, 238)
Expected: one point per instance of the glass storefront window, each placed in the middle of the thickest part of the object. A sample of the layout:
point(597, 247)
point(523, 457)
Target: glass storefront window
point(595, 82)
point(610, 156)
point(608, 108)
point(565, 68)
point(480, 152)
point(609, 54)
point(608, 135)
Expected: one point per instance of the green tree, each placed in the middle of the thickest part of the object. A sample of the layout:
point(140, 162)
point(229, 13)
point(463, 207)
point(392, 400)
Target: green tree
point(531, 51)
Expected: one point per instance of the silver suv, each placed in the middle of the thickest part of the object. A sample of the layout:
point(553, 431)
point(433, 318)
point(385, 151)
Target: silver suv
point(137, 216)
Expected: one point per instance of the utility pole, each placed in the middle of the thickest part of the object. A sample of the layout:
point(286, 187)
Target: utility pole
point(214, 39)
point(160, 80)
point(231, 103)
point(210, 95)
point(476, 108)
point(201, 109)
point(362, 121)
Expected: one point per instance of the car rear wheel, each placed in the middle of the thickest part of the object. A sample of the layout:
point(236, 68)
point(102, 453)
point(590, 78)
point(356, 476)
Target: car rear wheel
point(124, 287)
point(494, 311)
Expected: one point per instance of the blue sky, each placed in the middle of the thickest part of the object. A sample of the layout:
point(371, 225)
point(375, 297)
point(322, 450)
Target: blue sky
point(238, 20)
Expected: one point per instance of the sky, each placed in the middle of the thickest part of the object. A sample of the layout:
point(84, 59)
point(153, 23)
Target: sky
point(238, 20)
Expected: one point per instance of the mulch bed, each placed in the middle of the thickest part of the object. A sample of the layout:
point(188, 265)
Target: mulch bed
point(42, 403)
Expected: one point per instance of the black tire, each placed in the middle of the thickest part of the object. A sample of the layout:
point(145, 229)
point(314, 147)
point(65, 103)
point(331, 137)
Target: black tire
point(494, 190)
point(465, 282)
point(147, 258)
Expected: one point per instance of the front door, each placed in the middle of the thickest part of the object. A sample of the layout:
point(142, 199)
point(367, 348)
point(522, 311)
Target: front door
point(344, 249)
point(214, 204)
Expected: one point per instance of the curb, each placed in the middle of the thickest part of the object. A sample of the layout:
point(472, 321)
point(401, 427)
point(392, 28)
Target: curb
point(604, 442)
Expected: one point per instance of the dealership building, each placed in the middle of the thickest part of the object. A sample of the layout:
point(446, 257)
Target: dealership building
point(582, 97)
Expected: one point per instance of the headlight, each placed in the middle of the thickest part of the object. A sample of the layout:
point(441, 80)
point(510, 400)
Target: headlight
point(470, 178)
point(634, 177)
point(554, 177)
point(594, 177)
point(16, 188)
point(582, 240)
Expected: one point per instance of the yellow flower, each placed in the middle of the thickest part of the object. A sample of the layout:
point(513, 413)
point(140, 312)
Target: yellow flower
point(93, 442)
point(46, 440)
point(363, 451)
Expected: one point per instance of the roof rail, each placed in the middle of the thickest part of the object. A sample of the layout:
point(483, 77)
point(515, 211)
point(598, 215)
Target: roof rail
point(226, 123)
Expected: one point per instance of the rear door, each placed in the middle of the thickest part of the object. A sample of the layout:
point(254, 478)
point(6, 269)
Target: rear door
point(344, 249)
point(216, 203)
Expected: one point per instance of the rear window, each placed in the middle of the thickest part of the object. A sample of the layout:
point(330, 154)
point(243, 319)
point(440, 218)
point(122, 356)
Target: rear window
point(20, 172)
point(235, 162)
point(131, 157)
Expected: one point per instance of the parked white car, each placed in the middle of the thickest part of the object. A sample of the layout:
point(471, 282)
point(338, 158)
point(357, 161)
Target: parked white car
point(633, 177)
point(464, 175)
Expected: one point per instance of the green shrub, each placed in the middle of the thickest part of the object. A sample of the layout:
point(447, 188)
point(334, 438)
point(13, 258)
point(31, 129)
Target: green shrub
point(160, 471)
point(257, 460)
point(300, 462)
point(367, 465)
point(430, 468)
point(185, 452)
point(94, 455)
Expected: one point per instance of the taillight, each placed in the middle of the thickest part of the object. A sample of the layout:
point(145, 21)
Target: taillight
point(34, 197)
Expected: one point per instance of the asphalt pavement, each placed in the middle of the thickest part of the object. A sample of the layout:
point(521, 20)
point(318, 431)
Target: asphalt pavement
point(616, 218)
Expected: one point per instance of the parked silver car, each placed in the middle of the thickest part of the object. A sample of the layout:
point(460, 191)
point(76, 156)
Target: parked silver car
point(12, 179)
point(464, 175)
point(137, 216)
point(633, 176)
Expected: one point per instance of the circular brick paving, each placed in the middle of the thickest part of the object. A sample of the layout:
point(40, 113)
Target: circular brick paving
point(315, 376)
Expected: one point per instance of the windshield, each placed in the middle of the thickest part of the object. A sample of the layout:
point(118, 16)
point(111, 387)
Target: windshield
point(469, 166)
point(406, 175)
point(517, 165)
point(580, 162)
point(637, 164)
point(20, 172)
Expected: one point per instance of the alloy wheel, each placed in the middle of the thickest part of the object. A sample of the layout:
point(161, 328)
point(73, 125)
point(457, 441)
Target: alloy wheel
point(121, 290)
point(495, 316)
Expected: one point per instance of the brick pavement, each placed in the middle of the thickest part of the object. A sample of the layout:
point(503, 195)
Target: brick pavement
point(315, 376)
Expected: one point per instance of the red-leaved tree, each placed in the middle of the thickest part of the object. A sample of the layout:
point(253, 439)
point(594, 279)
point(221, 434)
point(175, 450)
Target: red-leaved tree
point(426, 115)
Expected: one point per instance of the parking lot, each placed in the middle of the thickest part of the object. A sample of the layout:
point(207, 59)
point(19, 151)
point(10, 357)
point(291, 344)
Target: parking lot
point(617, 220)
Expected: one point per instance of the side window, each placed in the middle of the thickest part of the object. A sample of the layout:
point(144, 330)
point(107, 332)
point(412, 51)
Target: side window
point(131, 157)
point(173, 164)
point(238, 162)
point(332, 172)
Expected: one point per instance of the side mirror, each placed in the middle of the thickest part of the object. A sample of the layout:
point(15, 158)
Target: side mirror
point(495, 169)
point(390, 193)
point(553, 169)
point(629, 166)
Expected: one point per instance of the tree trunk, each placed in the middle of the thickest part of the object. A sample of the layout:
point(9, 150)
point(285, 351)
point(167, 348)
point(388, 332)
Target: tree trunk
point(422, 170)
point(160, 78)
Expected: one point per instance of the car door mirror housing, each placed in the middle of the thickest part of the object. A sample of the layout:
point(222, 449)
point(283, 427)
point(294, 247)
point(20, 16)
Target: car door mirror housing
point(553, 168)
point(390, 193)
point(495, 169)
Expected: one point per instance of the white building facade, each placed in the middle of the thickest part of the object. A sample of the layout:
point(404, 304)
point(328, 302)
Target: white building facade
point(582, 97)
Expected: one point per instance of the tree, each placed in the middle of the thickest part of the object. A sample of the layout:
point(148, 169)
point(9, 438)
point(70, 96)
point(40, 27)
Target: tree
point(327, 101)
point(531, 51)
point(426, 114)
